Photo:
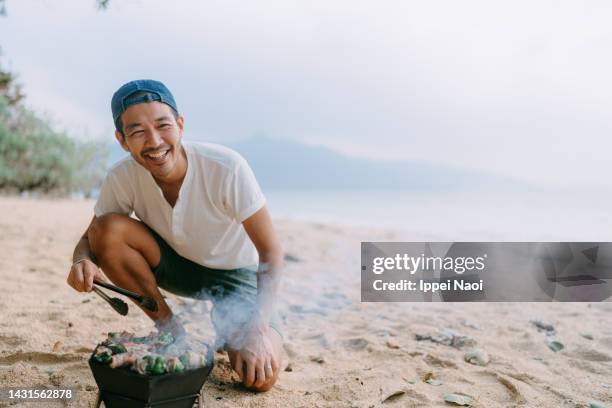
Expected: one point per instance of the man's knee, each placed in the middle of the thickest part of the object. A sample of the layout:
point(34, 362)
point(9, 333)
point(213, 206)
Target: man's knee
point(106, 233)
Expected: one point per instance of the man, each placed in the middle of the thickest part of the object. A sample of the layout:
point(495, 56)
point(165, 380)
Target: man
point(204, 229)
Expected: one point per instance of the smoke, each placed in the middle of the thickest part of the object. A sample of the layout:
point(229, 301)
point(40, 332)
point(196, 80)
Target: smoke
point(215, 316)
point(220, 315)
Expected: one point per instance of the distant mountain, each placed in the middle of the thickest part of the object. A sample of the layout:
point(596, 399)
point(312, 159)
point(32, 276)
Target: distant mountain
point(282, 165)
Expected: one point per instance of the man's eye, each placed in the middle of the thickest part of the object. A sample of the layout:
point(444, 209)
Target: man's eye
point(137, 133)
point(164, 126)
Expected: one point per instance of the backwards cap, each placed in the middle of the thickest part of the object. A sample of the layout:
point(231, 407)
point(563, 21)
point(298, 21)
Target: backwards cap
point(146, 90)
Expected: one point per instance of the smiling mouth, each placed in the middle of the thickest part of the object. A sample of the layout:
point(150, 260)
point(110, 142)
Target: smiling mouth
point(158, 156)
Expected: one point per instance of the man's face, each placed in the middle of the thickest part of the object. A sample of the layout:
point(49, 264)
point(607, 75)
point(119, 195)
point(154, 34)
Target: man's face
point(152, 136)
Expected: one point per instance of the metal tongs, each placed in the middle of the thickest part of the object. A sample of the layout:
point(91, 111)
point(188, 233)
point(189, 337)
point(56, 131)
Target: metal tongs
point(119, 305)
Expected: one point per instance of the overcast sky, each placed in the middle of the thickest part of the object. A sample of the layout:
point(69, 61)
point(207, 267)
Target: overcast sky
point(519, 88)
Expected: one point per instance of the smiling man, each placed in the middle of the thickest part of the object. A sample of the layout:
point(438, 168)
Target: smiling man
point(203, 231)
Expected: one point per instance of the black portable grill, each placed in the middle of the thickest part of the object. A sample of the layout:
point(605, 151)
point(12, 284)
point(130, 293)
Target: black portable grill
point(124, 388)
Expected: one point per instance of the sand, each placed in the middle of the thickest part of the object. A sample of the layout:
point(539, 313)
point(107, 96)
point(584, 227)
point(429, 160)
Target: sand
point(340, 352)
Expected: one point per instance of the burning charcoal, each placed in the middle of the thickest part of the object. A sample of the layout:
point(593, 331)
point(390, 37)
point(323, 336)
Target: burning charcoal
point(174, 365)
point(123, 359)
point(103, 355)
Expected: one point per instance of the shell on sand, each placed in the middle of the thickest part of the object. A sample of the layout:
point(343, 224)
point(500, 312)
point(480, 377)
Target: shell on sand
point(477, 357)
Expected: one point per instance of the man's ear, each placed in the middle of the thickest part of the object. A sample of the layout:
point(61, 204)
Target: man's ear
point(181, 123)
point(121, 140)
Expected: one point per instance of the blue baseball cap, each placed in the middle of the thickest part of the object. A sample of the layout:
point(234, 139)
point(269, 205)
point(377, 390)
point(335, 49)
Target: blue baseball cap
point(147, 90)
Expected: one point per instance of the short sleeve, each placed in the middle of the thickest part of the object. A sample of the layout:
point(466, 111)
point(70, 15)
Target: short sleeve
point(114, 197)
point(244, 196)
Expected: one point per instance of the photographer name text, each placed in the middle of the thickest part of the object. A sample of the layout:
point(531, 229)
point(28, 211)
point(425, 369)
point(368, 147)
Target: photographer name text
point(427, 286)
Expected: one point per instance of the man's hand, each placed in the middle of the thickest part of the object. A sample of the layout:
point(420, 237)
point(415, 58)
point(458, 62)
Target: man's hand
point(256, 360)
point(258, 357)
point(82, 275)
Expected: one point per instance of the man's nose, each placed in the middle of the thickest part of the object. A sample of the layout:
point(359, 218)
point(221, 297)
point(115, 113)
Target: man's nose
point(154, 138)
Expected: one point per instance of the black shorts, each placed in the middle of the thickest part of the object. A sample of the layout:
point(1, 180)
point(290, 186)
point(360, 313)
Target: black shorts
point(232, 291)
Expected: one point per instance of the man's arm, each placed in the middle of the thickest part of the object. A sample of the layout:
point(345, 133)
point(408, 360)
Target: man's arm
point(82, 249)
point(83, 269)
point(256, 348)
point(261, 231)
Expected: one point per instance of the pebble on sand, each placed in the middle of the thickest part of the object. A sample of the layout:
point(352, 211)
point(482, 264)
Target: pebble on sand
point(448, 337)
point(543, 326)
point(432, 381)
point(554, 344)
point(291, 258)
point(458, 399)
point(356, 344)
point(393, 344)
point(318, 359)
point(428, 378)
point(477, 357)
point(392, 395)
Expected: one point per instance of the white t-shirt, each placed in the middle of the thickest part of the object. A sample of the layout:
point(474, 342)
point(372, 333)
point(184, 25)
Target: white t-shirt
point(205, 226)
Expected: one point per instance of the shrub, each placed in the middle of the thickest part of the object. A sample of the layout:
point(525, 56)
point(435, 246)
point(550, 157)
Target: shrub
point(35, 157)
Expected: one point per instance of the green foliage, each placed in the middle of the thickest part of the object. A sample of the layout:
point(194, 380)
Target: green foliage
point(35, 157)
point(9, 88)
point(102, 4)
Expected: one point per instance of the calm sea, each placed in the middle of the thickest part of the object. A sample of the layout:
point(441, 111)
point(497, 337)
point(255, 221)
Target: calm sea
point(553, 216)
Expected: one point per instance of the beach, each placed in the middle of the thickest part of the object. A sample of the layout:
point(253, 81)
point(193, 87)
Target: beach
point(339, 352)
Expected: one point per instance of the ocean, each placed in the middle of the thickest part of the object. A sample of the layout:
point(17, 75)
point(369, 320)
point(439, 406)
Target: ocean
point(464, 216)
point(455, 216)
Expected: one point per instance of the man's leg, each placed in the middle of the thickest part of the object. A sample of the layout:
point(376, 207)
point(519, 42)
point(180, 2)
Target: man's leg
point(126, 251)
